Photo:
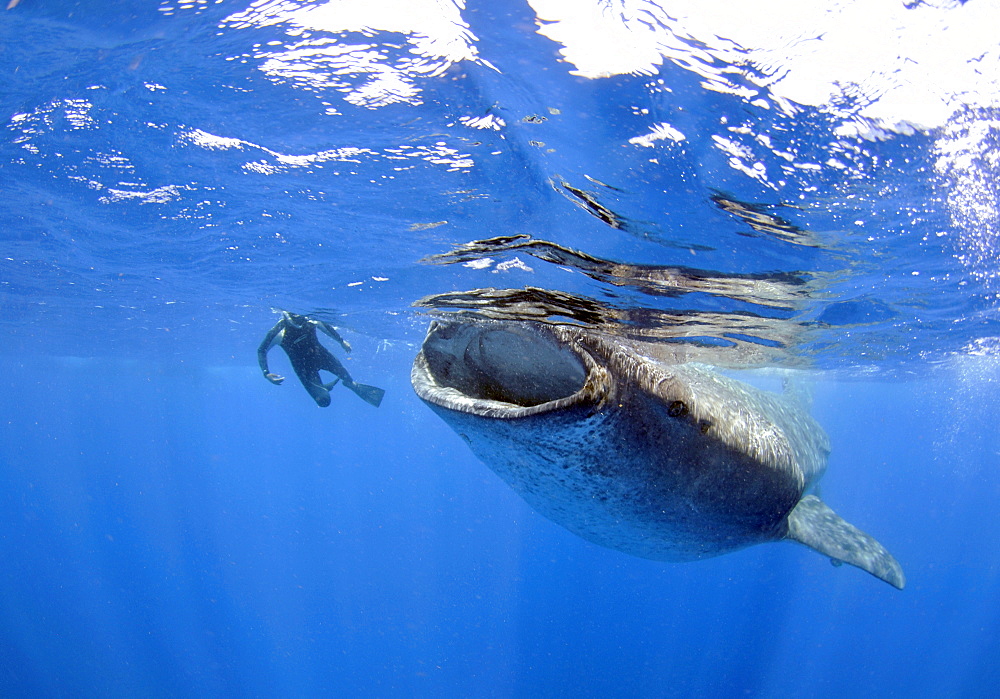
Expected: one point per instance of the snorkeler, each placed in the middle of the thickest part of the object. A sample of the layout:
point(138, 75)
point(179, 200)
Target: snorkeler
point(297, 336)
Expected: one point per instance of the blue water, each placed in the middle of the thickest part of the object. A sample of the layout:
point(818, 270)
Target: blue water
point(174, 525)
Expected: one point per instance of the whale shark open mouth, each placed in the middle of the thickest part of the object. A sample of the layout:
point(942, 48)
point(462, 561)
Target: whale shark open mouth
point(500, 367)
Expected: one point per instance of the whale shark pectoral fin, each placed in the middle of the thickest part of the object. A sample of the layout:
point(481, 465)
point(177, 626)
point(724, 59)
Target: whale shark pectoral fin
point(814, 524)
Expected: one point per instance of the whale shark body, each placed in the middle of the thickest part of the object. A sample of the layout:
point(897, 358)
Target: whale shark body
point(663, 459)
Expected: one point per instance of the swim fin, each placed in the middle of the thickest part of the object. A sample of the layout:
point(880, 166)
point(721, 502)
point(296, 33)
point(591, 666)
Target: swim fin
point(814, 524)
point(333, 383)
point(369, 394)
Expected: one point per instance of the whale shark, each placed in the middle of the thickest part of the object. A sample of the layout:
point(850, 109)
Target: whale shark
point(630, 446)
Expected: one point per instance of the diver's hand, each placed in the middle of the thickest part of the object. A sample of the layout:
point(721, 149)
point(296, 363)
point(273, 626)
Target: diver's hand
point(346, 345)
point(274, 378)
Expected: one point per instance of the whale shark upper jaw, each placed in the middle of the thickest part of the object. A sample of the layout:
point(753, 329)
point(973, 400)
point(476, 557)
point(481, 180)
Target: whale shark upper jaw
point(504, 370)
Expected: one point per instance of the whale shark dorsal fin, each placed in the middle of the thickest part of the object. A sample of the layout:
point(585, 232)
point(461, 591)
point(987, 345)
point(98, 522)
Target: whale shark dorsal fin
point(814, 524)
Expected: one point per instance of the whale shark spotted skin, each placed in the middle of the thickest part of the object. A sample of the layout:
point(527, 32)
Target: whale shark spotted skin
point(663, 460)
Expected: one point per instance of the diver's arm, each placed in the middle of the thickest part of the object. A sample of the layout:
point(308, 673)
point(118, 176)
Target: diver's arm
point(332, 332)
point(266, 344)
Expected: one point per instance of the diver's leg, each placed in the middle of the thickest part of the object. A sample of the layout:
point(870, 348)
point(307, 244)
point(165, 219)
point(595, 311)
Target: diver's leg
point(370, 394)
point(330, 363)
point(309, 376)
point(319, 392)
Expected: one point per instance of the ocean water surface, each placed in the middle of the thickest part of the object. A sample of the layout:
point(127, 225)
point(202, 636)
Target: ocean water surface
point(783, 190)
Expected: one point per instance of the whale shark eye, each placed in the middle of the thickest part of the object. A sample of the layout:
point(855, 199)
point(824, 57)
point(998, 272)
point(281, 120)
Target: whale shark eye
point(677, 409)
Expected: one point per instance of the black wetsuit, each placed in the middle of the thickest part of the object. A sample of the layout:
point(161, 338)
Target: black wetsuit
point(297, 336)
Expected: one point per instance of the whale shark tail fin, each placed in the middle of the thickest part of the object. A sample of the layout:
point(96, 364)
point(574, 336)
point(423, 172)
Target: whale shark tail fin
point(814, 524)
point(369, 394)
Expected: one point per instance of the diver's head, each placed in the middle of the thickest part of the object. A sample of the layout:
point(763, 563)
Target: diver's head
point(294, 319)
